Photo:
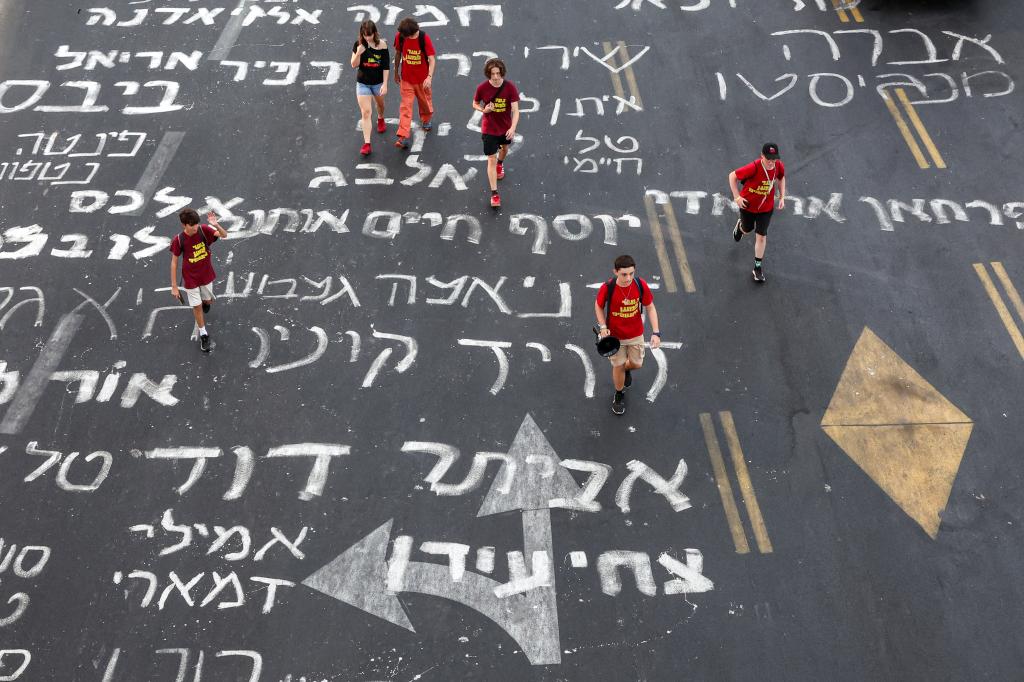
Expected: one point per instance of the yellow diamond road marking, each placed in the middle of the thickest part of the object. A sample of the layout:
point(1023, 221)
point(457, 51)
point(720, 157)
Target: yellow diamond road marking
point(902, 432)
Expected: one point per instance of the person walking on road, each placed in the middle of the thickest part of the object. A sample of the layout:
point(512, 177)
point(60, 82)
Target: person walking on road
point(498, 100)
point(193, 244)
point(414, 72)
point(755, 198)
point(370, 55)
point(617, 309)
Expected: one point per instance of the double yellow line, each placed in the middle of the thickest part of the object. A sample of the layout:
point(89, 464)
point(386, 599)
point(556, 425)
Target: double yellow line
point(842, 7)
point(623, 54)
point(908, 137)
point(676, 237)
point(732, 514)
point(997, 300)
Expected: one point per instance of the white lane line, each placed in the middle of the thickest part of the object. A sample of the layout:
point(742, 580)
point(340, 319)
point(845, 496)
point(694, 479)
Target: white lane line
point(156, 168)
point(229, 35)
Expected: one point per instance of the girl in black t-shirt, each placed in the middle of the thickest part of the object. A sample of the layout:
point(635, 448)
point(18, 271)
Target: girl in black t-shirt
point(370, 55)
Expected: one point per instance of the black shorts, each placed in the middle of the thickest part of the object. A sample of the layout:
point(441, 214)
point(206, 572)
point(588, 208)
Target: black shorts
point(757, 222)
point(493, 142)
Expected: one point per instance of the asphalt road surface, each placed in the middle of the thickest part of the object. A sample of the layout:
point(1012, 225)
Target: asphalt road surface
point(399, 460)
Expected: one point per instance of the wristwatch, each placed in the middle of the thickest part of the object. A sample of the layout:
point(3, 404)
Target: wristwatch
point(658, 334)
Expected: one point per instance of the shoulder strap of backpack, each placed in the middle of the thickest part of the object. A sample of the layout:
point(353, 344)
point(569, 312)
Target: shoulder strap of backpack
point(423, 44)
point(608, 300)
point(401, 43)
point(181, 243)
point(640, 286)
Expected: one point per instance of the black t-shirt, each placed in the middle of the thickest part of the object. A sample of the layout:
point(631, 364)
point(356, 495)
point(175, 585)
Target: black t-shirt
point(372, 65)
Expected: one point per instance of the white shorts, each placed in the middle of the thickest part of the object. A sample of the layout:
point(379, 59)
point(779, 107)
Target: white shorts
point(201, 293)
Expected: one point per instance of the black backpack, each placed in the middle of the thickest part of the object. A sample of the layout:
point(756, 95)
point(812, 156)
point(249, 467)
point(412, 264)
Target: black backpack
point(608, 297)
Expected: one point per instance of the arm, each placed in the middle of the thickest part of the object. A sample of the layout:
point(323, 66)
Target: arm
point(384, 83)
point(356, 54)
point(431, 64)
point(601, 322)
point(782, 193)
point(398, 64)
point(221, 232)
point(174, 275)
point(740, 201)
point(652, 315)
point(511, 134)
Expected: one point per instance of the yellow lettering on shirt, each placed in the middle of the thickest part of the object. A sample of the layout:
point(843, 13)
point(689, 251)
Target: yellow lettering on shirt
point(629, 307)
point(199, 252)
point(500, 105)
point(413, 57)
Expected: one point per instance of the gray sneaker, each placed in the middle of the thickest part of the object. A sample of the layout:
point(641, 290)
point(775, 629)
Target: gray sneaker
point(759, 275)
point(619, 403)
point(737, 233)
point(204, 343)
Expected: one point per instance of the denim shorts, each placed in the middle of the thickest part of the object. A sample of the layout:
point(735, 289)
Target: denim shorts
point(363, 89)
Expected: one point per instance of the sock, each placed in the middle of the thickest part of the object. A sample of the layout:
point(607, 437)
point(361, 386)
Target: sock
point(500, 162)
point(494, 192)
point(202, 331)
point(757, 262)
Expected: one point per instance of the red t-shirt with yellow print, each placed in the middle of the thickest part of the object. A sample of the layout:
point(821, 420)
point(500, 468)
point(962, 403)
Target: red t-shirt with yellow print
point(625, 321)
point(197, 265)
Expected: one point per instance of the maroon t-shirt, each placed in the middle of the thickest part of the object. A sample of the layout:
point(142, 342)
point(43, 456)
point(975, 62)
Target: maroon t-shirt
point(498, 121)
point(625, 321)
point(197, 265)
point(759, 190)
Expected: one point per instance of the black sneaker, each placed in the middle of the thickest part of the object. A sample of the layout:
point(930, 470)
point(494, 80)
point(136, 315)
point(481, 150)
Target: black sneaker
point(206, 307)
point(759, 275)
point(204, 343)
point(619, 403)
point(629, 379)
point(737, 233)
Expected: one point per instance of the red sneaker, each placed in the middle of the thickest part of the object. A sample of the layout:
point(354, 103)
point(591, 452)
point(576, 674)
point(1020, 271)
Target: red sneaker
point(381, 126)
point(501, 170)
point(365, 151)
point(495, 201)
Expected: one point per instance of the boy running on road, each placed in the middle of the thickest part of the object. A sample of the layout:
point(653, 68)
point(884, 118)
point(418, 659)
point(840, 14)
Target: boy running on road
point(197, 267)
point(498, 100)
point(756, 200)
point(628, 292)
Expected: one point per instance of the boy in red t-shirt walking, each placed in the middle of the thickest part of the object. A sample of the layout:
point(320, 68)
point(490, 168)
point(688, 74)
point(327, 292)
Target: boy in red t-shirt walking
point(414, 73)
point(628, 293)
point(498, 100)
point(197, 267)
point(756, 199)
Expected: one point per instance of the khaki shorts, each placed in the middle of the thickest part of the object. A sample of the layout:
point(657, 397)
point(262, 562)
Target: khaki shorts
point(632, 349)
point(196, 296)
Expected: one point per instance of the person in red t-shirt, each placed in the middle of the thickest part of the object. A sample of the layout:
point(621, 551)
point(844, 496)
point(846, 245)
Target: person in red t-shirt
point(628, 293)
point(756, 199)
point(193, 244)
point(498, 100)
point(414, 73)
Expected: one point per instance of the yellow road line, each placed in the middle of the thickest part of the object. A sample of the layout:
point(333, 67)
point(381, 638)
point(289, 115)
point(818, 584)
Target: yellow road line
point(1011, 290)
point(746, 487)
point(659, 245)
point(677, 244)
point(904, 130)
point(857, 16)
point(839, 9)
point(732, 514)
point(630, 76)
point(616, 79)
point(921, 131)
point(1000, 306)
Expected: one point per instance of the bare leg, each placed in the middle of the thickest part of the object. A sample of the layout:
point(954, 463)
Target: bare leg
point(492, 172)
point(379, 99)
point(619, 376)
point(502, 152)
point(365, 109)
point(760, 242)
point(197, 312)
